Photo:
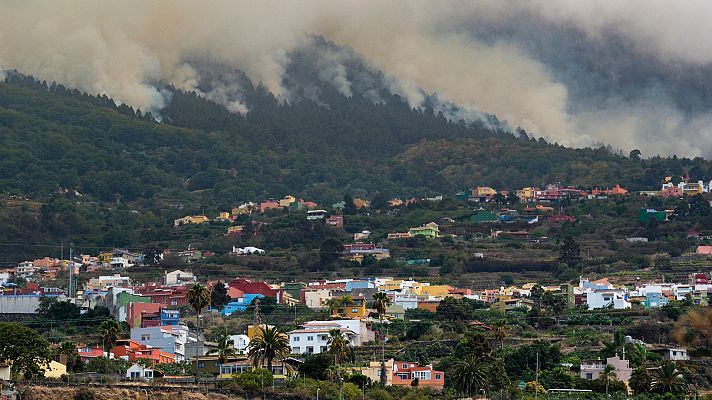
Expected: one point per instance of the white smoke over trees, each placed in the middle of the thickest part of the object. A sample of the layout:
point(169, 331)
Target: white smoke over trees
point(127, 49)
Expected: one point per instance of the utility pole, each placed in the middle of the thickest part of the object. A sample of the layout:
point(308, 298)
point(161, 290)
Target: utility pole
point(536, 380)
point(70, 288)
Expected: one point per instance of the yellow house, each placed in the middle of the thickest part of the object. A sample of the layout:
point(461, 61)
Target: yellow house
point(431, 230)
point(484, 191)
point(253, 329)
point(353, 311)
point(361, 203)
point(105, 257)
point(55, 370)
point(287, 200)
point(373, 371)
point(224, 215)
point(242, 210)
point(231, 230)
point(390, 285)
point(434, 290)
point(526, 193)
point(198, 219)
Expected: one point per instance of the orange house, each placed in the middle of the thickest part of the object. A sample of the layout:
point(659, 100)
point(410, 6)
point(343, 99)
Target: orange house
point(404, 373)
point(133, 350)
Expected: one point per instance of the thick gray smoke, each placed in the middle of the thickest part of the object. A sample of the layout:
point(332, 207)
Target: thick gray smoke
point(632, 74)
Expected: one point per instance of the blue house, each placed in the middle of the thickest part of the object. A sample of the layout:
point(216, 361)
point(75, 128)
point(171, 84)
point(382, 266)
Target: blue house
point(169, 317)
point(241, 304)
point(655, 300)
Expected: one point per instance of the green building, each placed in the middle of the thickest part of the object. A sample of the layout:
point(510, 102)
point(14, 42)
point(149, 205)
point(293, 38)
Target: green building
point(484, 216)
point(646, 214)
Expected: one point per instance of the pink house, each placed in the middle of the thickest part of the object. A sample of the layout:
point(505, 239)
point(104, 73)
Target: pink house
point(268, 205)
point(706, 250)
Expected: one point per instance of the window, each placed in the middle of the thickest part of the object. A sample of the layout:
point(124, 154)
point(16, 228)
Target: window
point(148, 374)
point(296, 338)
point(201, 364)
point(310, 338)
point(135, 374)
point(354, 310)
point(145, 338)
point(405, 366)
point(589, 376)
point(217, 363)
point(296, 350)
point(310, 349)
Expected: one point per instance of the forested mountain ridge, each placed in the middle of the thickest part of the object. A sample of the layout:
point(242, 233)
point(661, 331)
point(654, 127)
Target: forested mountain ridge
point(55, 138)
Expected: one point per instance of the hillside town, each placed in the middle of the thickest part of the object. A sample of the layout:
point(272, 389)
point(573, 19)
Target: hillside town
point(186, 314)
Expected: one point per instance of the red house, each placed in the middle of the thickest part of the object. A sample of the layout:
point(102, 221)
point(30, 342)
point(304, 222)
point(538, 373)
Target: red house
point(256, 287)
point(135, 313)
point(133, 350)
point(335, 221)
point(170, 295)
point(404, 373)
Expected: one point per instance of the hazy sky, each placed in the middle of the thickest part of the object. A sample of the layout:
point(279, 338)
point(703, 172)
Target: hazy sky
point(635, 74)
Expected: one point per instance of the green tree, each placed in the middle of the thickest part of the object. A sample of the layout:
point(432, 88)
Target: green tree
point(109, 331)
point(69, 351)
point(218, 296)
point(28, 351)
point(267, 344)
point(640, 381)
point(570, 252)
point(338, 345)
point(668, 379)
point(470, 376)
point(225, 347)
point(330, 252)
point(381, 301)
point(608, 374)
point(499, 331)
point(198, 298)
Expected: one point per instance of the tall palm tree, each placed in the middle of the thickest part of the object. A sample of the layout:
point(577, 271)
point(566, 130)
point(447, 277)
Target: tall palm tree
point(333, 304)
point(470, 376)
point(381, 301)
point(267, 344)
point(338, 345)
point(225, 348)
point(198, 298)
point(109, 331)
point(499, 331)
point(668, 379)
point(608, 374)
point(69, 350)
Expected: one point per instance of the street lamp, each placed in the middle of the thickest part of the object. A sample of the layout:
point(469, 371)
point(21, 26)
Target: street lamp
point(317, 393)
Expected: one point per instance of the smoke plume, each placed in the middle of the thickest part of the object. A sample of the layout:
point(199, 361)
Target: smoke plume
point(633, 74)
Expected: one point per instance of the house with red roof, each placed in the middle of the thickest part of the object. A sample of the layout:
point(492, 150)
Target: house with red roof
point(132, 350)
point(404, 373)
point(256, 287)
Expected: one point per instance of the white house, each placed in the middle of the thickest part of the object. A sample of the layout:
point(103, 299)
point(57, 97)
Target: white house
point(408, 302)
point(672, 353)
point(105, 281)
point(357, 326)
point(605, 299)
point(139, 372)
point(316, 298)
point(178, 277)
point(249, 250)
point(121, 262)
point(592, 369)
point(170, 339)
point(240, 343)
point(314, 340)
